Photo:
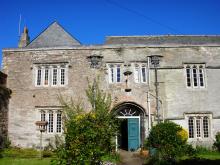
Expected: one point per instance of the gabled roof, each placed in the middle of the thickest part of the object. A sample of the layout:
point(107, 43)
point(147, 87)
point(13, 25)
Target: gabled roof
point(53, 36)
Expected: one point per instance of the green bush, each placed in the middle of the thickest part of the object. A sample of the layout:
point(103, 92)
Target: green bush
point(47, 154)
point(217, 141)
point(166, 141)
point(112, 157)
point(88, 136)
point(4, 143)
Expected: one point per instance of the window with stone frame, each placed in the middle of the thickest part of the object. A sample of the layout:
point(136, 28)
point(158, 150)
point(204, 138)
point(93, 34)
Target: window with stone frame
point(51, 75)
point(199, 126)
point(195, 75)
point(53, 118)
point(140, 73)
point(115, 73)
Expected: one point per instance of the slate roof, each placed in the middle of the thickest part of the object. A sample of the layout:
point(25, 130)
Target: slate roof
point(165, 40)
point(53, 36)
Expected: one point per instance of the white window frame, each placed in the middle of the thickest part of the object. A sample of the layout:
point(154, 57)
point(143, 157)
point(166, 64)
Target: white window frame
point(55, 113)
point(36, 76)
point(138, 73)
point(113, 73)
point(65, 75)
point(51, 68)
point(58, 122)
point(53, 76)
point(50, 126)
point(198, 130)
point(198, 67)
point(48, 76)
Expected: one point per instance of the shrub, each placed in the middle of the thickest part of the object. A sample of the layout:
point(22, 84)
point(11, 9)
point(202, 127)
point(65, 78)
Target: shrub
point(168, 140)
point(47, 153)
point(88, 136)
point(217, 141)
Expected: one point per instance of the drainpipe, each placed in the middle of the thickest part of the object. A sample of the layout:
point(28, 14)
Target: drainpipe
point(148, 95)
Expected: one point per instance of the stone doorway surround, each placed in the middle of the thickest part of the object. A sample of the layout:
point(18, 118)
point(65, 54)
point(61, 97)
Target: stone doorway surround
point(131, 110)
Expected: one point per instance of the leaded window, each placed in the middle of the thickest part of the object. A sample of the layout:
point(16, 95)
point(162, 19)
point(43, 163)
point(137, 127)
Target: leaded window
point(50, 123)
point(58, 122)
point(195, 76)
point(140, 73)
point(201, 76)
point(62, 78)
point(46, 76)
point(206, 126)
point(54, 76)
point(43, 117)
point(191, 127)
point(199, 126)
point(114, 72)
point(39, 72)
point(188, 76)
point(51, 75)
point(118, 73)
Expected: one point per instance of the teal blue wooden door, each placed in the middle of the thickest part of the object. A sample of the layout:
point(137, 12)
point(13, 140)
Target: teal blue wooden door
point(133, 134)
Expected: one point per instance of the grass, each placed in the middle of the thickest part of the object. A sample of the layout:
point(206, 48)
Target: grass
point(211, 155)
point(19, 161)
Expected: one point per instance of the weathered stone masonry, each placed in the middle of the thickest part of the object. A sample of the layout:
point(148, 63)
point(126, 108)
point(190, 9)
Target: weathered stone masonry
point(178, 102)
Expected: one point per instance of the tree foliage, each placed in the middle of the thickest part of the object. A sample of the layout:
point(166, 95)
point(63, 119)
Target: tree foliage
point(217, 141)
point(169, 140)
point(5, 94)
point(88, 136)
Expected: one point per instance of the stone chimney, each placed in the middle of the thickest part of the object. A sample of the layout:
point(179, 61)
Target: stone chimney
point(24, 39)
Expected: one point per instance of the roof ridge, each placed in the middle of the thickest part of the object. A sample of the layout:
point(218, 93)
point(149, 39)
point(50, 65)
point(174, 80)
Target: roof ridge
point(52, 36)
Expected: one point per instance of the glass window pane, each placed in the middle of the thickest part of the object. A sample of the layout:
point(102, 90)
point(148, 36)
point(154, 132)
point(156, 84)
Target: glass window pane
point(62, 76)
point(39, 76)
point(205, 127)
point(195, 80)
point(43, 117)
point(118, 73)
point(54, 76)
point(59, 122)
point(50, 123)
point(112, 75)
point(46, 76)
point(188, 76)
point(201, 76)
point(143, 74)
point(191, 127)
point(198, 127)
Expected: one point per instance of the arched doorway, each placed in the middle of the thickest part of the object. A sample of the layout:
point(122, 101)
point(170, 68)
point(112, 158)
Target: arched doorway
point(131, 132)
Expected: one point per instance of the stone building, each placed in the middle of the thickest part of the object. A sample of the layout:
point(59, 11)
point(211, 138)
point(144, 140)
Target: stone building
point(56, 63)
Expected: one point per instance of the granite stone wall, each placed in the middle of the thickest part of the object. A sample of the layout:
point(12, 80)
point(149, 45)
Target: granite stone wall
point(176, 98)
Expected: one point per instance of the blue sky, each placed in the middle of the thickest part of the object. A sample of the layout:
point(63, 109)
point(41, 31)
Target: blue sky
point(91, 20)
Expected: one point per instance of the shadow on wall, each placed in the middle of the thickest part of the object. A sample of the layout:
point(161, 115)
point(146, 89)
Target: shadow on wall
point(5, 94)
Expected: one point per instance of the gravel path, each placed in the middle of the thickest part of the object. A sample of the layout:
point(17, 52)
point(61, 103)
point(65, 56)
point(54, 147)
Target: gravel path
point(130, 158)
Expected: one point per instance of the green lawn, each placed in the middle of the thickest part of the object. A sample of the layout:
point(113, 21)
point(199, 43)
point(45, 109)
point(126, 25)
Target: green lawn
point(210, 155)
point(18, 161)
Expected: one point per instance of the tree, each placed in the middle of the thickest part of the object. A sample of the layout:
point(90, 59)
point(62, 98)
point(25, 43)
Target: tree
point(5, 94)
point(88, 136)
